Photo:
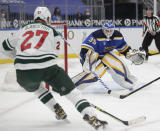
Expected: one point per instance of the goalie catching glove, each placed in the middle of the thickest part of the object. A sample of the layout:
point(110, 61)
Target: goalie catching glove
point(136, 56)
point(90, 61)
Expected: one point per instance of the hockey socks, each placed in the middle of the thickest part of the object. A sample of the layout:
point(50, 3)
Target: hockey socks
point(81, 105)
point(47, 98)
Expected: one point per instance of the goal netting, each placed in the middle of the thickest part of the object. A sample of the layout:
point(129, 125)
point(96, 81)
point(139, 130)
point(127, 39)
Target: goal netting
point(8, 73)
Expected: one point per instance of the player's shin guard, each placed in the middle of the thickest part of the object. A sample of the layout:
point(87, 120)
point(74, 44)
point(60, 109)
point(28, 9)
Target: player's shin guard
point(81, 104)
point(47, 98)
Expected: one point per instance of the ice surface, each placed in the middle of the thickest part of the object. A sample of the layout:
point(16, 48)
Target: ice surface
point(20, 111)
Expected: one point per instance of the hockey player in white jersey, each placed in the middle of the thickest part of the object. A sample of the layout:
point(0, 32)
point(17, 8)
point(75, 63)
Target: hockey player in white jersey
point(34, 51)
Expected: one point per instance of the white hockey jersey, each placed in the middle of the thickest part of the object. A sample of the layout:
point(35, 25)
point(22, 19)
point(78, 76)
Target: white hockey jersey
point(35, 46)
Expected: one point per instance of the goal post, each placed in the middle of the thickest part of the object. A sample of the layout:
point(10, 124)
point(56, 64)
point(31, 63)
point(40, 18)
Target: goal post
point(62, 27)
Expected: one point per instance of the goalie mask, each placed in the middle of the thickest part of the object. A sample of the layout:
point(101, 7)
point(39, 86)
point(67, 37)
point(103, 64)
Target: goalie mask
point(108, 29)
point(43, 13)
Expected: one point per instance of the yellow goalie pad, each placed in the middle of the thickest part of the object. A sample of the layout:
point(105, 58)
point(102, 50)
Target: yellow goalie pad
point(112, 64)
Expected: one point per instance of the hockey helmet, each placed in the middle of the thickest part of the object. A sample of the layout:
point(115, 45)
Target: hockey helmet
point(43, 13)
point(108, 28)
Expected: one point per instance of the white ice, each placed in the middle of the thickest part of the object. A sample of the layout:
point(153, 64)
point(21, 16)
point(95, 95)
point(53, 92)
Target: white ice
point(20, 111)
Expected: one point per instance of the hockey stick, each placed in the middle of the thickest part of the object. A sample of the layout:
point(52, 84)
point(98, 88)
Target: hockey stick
point(127, 123)
point(110, 92)
point(126, 95)
point(100, 80)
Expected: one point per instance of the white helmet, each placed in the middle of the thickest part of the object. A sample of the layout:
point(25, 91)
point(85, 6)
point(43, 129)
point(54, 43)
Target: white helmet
point(43, 13)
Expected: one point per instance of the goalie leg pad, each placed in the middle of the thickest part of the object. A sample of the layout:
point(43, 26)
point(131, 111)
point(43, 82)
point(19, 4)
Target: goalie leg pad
point(90, 61)
point(85, 79)
point(119, 79)
point(119, 71)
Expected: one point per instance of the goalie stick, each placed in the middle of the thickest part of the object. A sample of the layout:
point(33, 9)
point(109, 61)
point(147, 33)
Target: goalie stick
point(127, 123)
point(110, 92)
point(126, 95)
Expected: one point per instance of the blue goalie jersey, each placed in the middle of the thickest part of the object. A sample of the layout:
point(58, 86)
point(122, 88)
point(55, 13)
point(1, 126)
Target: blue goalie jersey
point(98, 42)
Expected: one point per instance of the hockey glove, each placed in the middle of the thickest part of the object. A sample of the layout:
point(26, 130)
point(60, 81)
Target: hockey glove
point(90, 61)
point(136, 56)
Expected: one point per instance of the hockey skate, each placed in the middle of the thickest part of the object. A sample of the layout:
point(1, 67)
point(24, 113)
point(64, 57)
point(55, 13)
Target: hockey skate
point(60, 114)
point(94, 122)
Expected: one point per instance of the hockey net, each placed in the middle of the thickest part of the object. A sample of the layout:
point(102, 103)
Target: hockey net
point(8, 73)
